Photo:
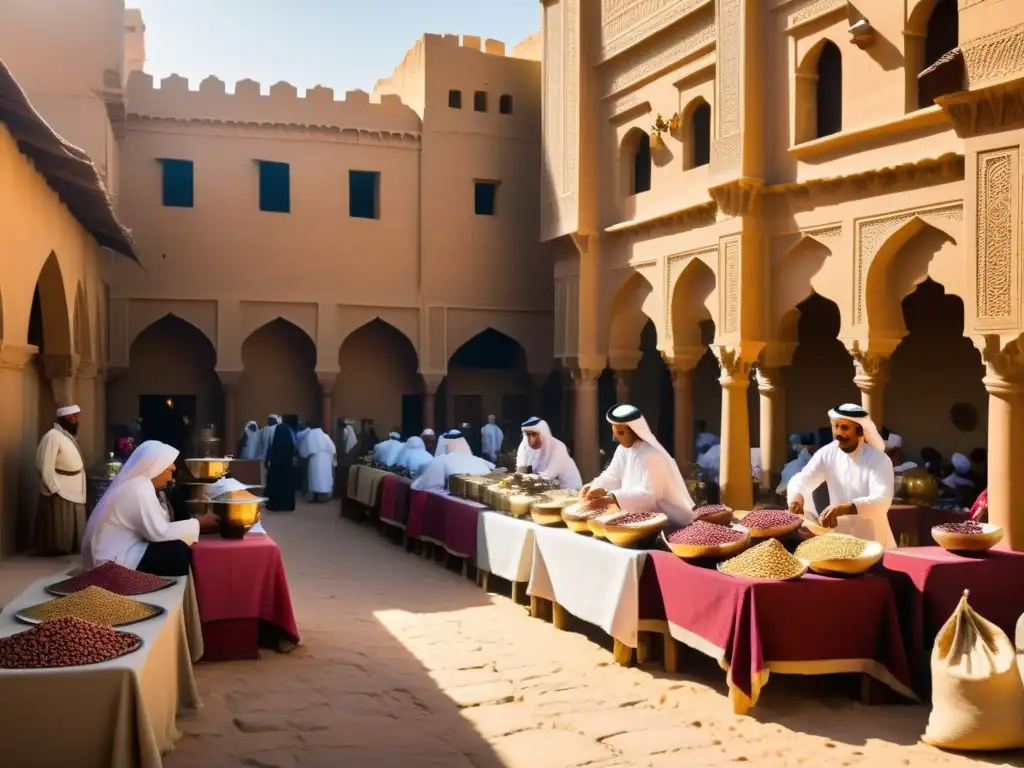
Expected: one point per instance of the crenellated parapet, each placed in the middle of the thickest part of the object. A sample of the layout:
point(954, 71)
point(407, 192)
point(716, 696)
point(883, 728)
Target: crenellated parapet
point(282, 105)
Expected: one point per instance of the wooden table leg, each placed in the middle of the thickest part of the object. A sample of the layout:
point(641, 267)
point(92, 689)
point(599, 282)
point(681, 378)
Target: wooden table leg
point(623, 654)
point(643, 647)
point(559, 616)
point(519, 592)
point(671, 653)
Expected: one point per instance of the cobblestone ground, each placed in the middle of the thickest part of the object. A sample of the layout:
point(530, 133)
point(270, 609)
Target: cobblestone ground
point(403, 663)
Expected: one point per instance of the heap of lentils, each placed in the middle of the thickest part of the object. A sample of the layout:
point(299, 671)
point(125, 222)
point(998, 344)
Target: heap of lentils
point(768, 560)
point(967, 527)
point(584, 512)
point(93, 604)
point(67, 642)
point(632, 518)
point(831, 546)
point(114, 578)
point(767, 519)
point(702, 534)
point(710, 509)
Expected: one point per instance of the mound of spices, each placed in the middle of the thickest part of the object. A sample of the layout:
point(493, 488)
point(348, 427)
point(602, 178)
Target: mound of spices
point(632, 518)
point(767, 519)
point(831, 546)
point(701, 534)
point(93, 604)
point(67, 642)
point(710, 509)
point(114, 578)
point(967, 527)
point(768, 560)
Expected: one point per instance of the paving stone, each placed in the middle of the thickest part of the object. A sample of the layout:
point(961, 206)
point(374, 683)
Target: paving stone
point(485, 693)
point(653, 741)
point(493, 721)
point(549, 748)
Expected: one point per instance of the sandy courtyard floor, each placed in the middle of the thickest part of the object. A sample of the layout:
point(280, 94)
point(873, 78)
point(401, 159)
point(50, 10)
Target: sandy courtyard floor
point(403, 663)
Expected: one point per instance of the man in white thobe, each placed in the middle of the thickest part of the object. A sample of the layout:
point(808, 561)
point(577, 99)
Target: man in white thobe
point(704, 440)
point(458, 459)
point(491, 439)
point(250, 441)
point(541, 453)
point(348, 439)
point(429, 440)
point(381, 449)
point(393, 452)
point(643, 476)
point(859, 477)
point(60, 513)
point(322, 456)
point(415, 456)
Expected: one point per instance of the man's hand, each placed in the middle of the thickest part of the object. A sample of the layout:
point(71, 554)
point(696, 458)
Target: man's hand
point(601, 502)
point(830, 517)
point(596, 493)
point(209, 521)
point(796, 506)
point(583, 493)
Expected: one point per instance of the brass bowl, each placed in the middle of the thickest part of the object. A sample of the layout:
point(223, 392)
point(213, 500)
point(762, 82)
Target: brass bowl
point(522, 505)
point(851, 566)
point(629, 535)
point(547, 512)
point(236, 517)
point(768, 533)
point(918, 486)
point(574, 523)
point(243, 494)
point(695, 551)
point(208, 469)
point(724, 517)
point(457, 486)
point(596, 524)
point(966, 542)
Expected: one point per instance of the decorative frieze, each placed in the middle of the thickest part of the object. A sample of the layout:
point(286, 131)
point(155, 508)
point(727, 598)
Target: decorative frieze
point(624, 23)
point(997, 232)
point(729, 274)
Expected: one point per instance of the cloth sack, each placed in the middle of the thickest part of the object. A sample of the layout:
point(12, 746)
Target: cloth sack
point(977, 689)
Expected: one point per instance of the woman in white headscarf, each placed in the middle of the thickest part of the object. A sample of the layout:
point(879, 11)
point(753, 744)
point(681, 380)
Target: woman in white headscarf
point(642, 476)
point(415, 456)
point(546, 455)
point(251, 444)
point(458, 459)
point(129, 525)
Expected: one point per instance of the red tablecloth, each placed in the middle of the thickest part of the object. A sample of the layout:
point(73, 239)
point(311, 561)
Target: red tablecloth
point(815, 625)
point(394, 500)
point(928, 583)
point(242, 579)
point(445, 520)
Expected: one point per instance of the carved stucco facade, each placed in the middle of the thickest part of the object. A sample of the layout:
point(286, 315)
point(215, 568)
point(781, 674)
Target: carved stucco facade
point(860, 217)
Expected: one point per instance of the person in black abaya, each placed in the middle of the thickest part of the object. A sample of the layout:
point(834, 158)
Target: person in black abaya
point(280, 488)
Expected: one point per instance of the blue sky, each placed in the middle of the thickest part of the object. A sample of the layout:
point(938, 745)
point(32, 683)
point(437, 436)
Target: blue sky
point(342, 44)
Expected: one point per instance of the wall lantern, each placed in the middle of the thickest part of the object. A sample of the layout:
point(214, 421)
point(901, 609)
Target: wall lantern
point(862, 34)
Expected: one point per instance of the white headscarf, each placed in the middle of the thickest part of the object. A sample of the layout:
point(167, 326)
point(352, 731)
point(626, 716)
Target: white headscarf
point(148, 461)
point(856, 414)
point(415, 456)
point(552, 459)
point(251, 440)
point(894, 441)
point(456, 443)
point(317, 441)
point(394, 436)
point(676, 494)
point(451, 434)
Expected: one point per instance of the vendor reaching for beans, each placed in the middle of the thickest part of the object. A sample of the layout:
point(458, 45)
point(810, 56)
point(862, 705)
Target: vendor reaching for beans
point(129, 525)
point(642, 475)
point(859, 477)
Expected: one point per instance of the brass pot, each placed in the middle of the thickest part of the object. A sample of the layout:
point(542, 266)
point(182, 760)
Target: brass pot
point(917, 486)
point(208, 469)
point(236, 516)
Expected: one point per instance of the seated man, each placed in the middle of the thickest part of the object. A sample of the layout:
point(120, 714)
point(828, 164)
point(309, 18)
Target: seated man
point(457, 459)
point(545, 455)
point(415, 456)
point(859, 477)
point(383, 448)
point(129, 525)
point(642, 476)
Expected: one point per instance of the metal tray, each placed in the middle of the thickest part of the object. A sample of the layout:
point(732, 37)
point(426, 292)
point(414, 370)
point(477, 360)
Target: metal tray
point(157, 612)
point(52, 590)
point(75, 666)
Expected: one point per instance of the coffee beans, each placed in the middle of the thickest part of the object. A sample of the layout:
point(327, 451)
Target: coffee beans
point(710, 510)
point(93, 604)
point(768, 519)
point(632, 518)
point(701, 534)
point(67, 642)
point(831, 546)
point(768, 560)
point(113, 578)
point(967, 527)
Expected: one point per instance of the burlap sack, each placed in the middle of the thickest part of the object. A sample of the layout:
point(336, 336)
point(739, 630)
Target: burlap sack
point(977, 690)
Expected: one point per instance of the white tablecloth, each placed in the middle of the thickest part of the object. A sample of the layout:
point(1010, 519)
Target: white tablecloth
point(118, 714)
point(592, 579)
point(504, 546)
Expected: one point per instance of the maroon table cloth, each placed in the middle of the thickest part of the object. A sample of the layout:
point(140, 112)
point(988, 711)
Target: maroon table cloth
point(458, 521)
point(417, 513)
point(240, 583)
point(928, 583)
point(816, 625)
point(394, 500)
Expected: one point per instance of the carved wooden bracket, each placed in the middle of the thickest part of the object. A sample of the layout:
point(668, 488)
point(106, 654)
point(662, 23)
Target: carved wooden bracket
point(998, 107)
point(740, 197)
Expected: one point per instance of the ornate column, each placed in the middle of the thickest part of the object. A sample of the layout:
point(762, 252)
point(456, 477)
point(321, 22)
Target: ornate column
point(61, 369)
point(13, 359)
point(585, 432)
point(682, 364)
point(772, 410)
point(90, 426)
point(623, 365)
point(229, 387)
point(735, 478)
point(871, 363)
point(431, 383)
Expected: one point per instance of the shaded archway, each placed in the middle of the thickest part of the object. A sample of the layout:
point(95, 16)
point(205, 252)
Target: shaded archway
point(628, 313)
point(696, 134)
point(933, 30)
point(378, 379)
point(635, 162)
point(170, 383)
point(278, 374)
point(819, 92)
point(486, 375)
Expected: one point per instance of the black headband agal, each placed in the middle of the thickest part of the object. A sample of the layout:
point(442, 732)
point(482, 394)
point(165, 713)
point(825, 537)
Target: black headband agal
point(533, 421)
point(452, 434)
point(623, 413)
point(850, 412)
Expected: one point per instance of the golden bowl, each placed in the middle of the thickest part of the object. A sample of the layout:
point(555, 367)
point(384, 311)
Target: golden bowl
point(242, 494)
point(695, 551)
point(521, 505)
point(596, 524)
point(629, 535)
point(547, 514)
point(574, 523)
point(967, 542)
point(768, 533)
point(851, 566)
point(237, 517)
point(918, 486)
point(457, 486)
point(718, 518)
point(208, 469)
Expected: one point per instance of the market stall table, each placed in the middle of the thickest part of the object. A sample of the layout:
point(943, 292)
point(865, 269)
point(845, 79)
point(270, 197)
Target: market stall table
point(815, 625)
point(453, 522)
point(593, 580)
point(912, 526)
point(118, 714)
point(928, 583)
point(241, 589)
point(504, 547)
point(394, 500)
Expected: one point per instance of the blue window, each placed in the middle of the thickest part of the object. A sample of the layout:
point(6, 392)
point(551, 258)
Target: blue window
point(275, 187)
point(364, 194)
point(178, 183)
point(486, 198)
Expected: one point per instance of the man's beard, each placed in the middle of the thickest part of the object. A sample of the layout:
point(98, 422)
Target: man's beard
point(849, 446)
point(71, 427)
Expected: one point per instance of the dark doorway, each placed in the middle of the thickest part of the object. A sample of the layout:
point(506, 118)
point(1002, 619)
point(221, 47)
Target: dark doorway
point(469, 410)
point(412, 415)
point(515, 409)
point(170, 419)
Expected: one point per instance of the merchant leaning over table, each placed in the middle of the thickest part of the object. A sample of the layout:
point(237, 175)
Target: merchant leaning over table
point(859, 476)
point(642, 476)
point(60, 514)
point(545, 455)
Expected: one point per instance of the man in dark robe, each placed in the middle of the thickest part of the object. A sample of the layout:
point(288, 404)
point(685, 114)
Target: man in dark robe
point(280, 489)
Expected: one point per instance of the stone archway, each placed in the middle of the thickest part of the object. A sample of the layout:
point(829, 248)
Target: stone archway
point(378, 379)
point(278, 374)
point(50, 331)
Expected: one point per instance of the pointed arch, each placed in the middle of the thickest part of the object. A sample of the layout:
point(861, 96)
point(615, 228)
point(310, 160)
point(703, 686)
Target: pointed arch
point(190, 335)
point(284, 330)
point(635, 162)
point(278, 373)
point(630, 309)
point(53, 304)
point(819, 95)
point(796, 275)
point(492, 349)
point(404, 323)
point(696, 121)
point(694, 301)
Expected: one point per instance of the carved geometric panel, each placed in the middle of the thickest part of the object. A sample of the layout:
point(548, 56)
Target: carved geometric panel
point(729, 272)
point(560, 124)
point(997, 237)
point(436, 338)
point(815, 9)
point(624, 23)
point(728, 62)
